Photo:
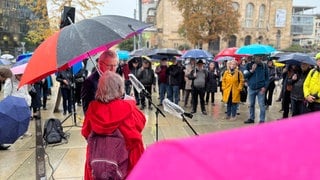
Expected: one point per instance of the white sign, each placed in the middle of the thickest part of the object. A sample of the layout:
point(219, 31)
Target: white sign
point(280, 18)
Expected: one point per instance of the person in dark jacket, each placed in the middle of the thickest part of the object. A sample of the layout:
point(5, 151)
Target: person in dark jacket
point(147, 78)
point(79, 79)
point(298, 104)
point(270, 89)
point(198, 77)
point(65, 79)
point(108, 61)
point(212, 82)
point(134, 66)
point(258, 79)
point(174, 78)
point(162, 78)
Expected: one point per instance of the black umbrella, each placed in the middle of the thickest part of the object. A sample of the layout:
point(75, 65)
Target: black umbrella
point(168, 52)
point(295, 58)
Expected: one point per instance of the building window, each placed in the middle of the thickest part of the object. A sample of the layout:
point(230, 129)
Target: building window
point(261, 20)
point(249, 15)
point(247, 40)
point(235, 6)
point(214, 45)
point(232, 41)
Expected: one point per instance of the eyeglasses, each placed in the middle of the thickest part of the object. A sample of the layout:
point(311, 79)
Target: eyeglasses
point(109, 65)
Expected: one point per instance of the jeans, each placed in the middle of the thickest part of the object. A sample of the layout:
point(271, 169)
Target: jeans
point(252, 99)
point(66, 99)
point(298, 107)
point(163, 90)
point(173, 93)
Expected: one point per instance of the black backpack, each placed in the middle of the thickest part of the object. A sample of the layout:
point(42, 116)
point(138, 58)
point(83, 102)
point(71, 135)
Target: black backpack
point(53, 131)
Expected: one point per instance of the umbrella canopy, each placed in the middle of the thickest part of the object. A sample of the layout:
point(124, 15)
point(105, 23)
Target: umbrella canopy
point(24, 56)
point(14, 119)
point(231, 52)
point(123, 55)
point(19, 69)
point(275, 150)
point(295, 58)
point(78, 41)
point(142, 52)
point(4, 62)
point(223, 58)
point(167, 52)
point(197, 53)
point(7, 56)
point(256, 49)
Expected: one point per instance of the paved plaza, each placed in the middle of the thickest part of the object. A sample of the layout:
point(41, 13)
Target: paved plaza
point(67, 159)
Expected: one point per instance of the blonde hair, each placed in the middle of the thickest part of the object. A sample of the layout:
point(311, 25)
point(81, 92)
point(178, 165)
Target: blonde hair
point(110, 87)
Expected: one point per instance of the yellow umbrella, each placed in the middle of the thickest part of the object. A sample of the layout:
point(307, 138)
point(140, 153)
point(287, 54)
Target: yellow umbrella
point(277, 64)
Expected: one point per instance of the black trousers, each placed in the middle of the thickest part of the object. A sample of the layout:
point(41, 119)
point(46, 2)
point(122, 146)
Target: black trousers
point(198, 93)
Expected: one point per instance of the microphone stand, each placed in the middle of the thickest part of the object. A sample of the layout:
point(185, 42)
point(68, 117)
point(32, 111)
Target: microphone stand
point(158, 111)
point(186, 121)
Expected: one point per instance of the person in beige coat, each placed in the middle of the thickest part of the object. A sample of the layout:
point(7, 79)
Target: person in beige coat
point(232, 83)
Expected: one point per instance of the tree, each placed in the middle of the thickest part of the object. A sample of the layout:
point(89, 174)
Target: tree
point(43, 24)
point(206, 20)
point(126, 45)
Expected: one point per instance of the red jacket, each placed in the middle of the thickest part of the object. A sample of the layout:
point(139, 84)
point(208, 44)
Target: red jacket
point(104, 118)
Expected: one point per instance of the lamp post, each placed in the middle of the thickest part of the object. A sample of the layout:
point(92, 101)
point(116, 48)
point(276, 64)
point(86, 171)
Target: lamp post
point(23, 49)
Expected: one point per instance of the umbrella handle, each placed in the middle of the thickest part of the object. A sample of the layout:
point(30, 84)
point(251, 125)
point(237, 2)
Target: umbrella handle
point(95, 64)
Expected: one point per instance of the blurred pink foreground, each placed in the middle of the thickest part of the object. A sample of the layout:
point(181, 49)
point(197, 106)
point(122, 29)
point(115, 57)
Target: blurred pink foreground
point(287, 149)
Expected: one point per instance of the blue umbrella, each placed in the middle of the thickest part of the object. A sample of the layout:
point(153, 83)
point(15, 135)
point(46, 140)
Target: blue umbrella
point(295, 58)
point(24, 56)
point(198, 54)
point(123, 55)
point(14, 119)
point(256, 49)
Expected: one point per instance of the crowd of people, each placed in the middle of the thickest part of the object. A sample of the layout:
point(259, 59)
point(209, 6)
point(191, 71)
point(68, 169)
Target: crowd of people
point(103, 94)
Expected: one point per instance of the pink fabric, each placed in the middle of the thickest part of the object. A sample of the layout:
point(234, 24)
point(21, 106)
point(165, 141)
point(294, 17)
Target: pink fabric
point(19, 69)
point(287, 149)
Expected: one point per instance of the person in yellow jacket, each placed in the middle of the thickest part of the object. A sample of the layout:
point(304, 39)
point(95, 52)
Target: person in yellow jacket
point(311, 87)
point(232, 83)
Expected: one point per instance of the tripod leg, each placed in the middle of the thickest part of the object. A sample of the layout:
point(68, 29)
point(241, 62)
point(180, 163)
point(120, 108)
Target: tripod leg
point(185, 120)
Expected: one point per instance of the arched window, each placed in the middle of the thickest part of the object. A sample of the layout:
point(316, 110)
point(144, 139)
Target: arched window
point(249, 15)
point(235, 6)
point(247, 40)
point(232, 41)
point(214, 45)
point(261, 20)
point(260, 40)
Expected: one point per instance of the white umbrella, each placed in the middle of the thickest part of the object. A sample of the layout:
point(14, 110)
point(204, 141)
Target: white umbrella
point(7, 56)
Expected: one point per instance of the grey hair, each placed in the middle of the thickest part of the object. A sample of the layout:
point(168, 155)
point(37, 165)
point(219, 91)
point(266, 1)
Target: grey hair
point(110, 87)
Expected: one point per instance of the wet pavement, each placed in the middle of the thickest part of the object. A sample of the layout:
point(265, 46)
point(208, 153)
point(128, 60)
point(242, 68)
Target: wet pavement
point(66, 160)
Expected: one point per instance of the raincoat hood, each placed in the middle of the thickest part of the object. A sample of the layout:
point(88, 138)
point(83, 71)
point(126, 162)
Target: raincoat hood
point(106, 118)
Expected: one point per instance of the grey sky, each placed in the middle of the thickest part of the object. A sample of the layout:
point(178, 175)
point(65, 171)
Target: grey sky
point(120, 7)
point(315, 3)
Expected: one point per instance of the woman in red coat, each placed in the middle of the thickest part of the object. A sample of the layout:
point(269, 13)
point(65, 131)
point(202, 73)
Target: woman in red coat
point(110, 111)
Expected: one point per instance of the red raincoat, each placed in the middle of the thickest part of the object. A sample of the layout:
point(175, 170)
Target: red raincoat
point(104, 118)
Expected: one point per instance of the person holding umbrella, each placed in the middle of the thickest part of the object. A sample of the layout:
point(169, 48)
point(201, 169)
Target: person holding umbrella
point(258, 79)
point(108, 61)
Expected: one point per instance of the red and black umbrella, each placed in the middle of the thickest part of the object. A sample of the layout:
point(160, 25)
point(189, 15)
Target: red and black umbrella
point(78, 41)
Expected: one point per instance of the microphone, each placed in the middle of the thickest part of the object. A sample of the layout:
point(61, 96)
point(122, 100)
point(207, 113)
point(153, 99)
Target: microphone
point(138, 86)
point(175, 109)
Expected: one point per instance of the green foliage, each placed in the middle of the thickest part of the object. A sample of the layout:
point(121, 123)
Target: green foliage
point(126, 45)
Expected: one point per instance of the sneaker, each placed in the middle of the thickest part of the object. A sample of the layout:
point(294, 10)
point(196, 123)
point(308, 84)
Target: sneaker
point(204, 112)
point(44, 108)
point(4, 147)
point(226, 118)
point(192, 112)
point(64, 113)
point(233, 118)
point(267, 107)
point(249, 121)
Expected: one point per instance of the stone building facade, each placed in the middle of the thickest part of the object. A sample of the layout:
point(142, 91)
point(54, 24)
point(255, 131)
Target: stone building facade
point(261, 21)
